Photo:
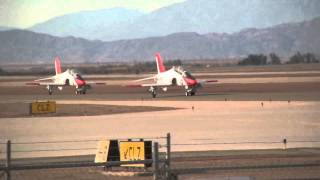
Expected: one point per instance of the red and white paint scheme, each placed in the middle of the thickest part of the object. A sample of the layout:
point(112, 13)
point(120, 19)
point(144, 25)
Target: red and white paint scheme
point(176, 76)
point(70, 77)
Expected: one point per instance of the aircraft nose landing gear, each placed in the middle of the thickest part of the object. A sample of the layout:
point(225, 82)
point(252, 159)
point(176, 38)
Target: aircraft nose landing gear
point(81, 90)
point(190, 92)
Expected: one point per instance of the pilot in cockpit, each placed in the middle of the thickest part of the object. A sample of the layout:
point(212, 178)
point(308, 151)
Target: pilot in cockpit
point(184, 73)
point(76, 74)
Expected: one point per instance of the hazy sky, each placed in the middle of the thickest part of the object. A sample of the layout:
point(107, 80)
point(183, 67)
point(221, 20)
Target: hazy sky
point(25, 13)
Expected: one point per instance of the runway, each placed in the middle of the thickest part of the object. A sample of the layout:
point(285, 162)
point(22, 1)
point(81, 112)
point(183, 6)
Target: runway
point(243, 111)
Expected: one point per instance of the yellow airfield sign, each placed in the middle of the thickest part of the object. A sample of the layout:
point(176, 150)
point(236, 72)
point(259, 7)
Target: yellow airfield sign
point(42, 107)
point(102, 151)
point(132, 151)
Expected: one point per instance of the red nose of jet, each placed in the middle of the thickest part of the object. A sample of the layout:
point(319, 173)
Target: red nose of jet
point(80, 82)
point(191, 82)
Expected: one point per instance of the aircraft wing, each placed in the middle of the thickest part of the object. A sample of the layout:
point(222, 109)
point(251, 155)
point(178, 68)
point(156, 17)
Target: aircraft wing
point(46, 79)
point(95, 83)
point(144, 79)
point(155, 85)
point(149, 85)
point(166, 85)
point(207, 81)
point(44, 84)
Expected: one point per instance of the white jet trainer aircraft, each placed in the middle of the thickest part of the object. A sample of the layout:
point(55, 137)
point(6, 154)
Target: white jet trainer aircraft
point(68, 78)
point(176, 76)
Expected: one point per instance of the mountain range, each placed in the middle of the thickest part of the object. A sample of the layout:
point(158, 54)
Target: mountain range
point(200, 16)
point(88, 24)
point(21, 46)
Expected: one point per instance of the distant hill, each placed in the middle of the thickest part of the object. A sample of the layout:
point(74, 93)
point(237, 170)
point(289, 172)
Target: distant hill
point(88, 24)
point(285, 40)
point(200, 16)
point(20, 46)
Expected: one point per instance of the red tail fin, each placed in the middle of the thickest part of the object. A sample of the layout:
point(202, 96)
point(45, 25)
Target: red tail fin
point(57, 65)
point(161, 68)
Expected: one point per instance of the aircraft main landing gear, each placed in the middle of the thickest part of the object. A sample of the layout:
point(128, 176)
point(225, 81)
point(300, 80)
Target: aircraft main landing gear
point(50, 90)
point(153, 91)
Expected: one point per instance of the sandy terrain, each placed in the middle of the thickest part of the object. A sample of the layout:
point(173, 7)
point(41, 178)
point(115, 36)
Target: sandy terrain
point(209, 122)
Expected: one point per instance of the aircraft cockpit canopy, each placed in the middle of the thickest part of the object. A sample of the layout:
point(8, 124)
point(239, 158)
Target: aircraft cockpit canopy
point(76, 74)
point(183, 72)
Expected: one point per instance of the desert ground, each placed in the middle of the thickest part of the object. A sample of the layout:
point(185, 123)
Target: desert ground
point(253, 110)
